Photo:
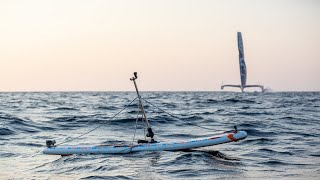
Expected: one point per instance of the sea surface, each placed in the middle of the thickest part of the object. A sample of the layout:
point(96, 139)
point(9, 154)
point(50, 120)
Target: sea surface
point(283, 135)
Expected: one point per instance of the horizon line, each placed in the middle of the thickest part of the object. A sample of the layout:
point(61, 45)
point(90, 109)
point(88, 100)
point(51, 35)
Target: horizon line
point(111, 91)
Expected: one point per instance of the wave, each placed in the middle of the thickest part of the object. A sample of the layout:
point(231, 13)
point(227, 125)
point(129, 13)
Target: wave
point(15, 125)
point(6, 131)
point(259, 141)
point(191, 118)
point(234, 100)
point(277, 162)
point(254, 113)
point(213, 153)
point(106, 177)
point(124, 121)
point(25, 144)
point(8, 154)
point(270, 151)
point(111, 108)
point(315, 155)
point(259, 133)
point(212, 101)
point(65, 109)
point(282, 132)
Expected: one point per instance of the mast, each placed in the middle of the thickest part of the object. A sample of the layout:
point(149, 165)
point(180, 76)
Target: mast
point(150, 133)
point(243, 68)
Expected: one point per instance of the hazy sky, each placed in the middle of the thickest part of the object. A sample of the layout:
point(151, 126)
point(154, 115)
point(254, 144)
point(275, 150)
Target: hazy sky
point(174, 45)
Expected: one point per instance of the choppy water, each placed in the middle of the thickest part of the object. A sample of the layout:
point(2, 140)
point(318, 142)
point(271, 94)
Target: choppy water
point(283, 135)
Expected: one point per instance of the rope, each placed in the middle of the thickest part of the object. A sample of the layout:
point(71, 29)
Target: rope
point(175, 115)
point(135, 129)
point(100, 124)
point(136, 121)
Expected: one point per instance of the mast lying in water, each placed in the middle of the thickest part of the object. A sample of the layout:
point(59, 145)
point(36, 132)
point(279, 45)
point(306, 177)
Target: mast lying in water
point(150, 133)
point(243, 68)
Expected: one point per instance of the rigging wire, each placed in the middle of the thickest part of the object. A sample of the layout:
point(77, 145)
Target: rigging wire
point(175, 115)
point(135, 129)
point(136, 120)
point(100, 124)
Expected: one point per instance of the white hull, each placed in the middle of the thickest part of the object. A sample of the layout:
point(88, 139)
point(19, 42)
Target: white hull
point(163, 146)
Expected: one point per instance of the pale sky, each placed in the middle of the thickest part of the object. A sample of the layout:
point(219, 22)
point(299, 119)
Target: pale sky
point(174, 45)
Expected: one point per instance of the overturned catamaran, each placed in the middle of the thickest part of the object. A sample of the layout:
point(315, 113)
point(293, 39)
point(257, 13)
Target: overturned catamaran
point(243, 69)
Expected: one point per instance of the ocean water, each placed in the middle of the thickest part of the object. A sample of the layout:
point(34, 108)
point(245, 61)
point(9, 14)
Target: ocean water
point(283, 135)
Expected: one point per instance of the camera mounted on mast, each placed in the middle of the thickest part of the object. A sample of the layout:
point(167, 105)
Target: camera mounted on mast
point(150, 132)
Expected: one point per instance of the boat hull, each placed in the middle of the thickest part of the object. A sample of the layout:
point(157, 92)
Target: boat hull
point(162, 146)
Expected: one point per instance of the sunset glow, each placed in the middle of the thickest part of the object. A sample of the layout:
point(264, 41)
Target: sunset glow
point(174, 45)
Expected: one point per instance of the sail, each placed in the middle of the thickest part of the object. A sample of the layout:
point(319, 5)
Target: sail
point(243, 68)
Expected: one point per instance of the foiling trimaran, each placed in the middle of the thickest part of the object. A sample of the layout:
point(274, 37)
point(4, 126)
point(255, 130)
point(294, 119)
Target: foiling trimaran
point(243, 69)
point(148, 144)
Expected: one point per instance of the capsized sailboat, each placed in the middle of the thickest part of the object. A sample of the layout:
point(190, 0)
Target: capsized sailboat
point(243, 69)
point(148, 144)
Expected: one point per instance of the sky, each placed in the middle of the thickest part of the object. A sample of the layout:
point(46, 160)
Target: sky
point(174, 45)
